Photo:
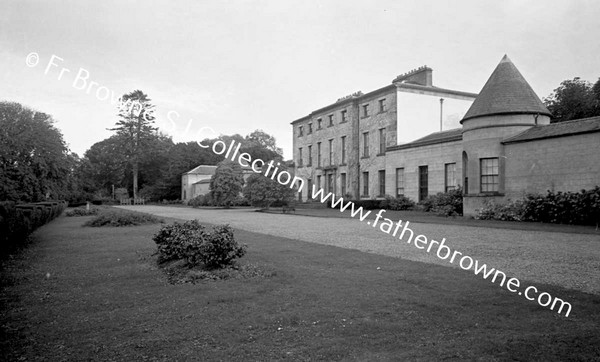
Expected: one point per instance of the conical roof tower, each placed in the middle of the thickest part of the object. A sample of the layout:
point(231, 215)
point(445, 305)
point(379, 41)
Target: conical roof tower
point(506, 92)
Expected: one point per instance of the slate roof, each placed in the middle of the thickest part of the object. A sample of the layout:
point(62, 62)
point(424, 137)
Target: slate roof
point(202, 170)
point(560, 129)
point(506, 92)
point(450, 135)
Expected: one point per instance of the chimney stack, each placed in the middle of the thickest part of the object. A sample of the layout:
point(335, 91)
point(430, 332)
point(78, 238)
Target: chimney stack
point(421, 76)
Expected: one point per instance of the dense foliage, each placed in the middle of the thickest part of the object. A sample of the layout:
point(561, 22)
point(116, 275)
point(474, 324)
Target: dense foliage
point(226, 184)
point(122, 218)
point(195, 244)
point(574, 99)
point(262, 191)
point(160, 165)
point(389, 203)
point(207, 200)
point(397, 203)
point(582, 208)
point(444, 203)
point(35, 164)
point(18, 221)
point(82, 211)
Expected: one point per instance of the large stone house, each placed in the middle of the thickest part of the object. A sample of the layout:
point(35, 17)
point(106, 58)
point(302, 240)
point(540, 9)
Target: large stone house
point(504, 145)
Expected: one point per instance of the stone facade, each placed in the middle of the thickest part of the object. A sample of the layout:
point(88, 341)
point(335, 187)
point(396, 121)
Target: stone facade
point(367, 125)
point(329, 143)
point(504, 148)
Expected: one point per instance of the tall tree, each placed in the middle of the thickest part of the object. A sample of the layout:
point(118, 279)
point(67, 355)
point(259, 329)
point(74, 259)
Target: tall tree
point(260, 144)
point(34, 159)
point(262, 191)
point(573, 99)
point(104, 164)
point(136, 127)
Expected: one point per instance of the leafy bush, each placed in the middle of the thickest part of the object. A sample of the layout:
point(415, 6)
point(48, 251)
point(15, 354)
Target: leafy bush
point(444, 203)
point(122, 218)
point(202, 200)
point(175, 240)
point(582, 208)
point(263, 192)
point(398, 203)
point(192, 242)
point(220, 248)
point(510, 211)
point(240, 201)
point(226, 184)
point(82, 211)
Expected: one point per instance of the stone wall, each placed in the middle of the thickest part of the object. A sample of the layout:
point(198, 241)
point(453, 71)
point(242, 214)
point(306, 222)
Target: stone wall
point(568, 163)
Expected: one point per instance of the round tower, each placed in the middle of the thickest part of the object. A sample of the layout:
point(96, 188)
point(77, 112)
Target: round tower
point(505, 107)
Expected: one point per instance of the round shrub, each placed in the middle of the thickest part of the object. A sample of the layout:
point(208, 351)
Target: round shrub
point(192, 242)
point(220, 248)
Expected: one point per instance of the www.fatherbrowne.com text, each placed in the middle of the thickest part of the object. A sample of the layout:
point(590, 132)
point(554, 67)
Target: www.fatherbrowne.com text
point(386, 225)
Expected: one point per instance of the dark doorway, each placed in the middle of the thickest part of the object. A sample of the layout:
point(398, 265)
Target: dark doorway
point(465, 172)
point(423, 182)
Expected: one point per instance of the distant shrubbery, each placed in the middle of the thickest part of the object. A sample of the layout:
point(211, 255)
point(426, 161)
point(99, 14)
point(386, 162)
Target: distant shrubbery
point(389, 203)
point(82, 211)
point(582, 208)
point(397, 203)
point(207, 200)
point(18, 221)
point(194, 243)
point(367, 204)
point(122, 218)
point(444, 203)
point(170, 202)
point(201, 200)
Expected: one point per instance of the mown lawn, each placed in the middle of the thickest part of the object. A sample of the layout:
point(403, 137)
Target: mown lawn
point(81, 293)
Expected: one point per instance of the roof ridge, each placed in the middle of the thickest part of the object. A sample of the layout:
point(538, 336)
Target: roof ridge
point(577, 120)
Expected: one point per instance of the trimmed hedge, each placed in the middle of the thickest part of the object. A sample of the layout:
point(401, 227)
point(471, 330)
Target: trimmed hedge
point(18, 221)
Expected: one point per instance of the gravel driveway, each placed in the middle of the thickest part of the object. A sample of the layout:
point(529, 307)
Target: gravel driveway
point(568, 260)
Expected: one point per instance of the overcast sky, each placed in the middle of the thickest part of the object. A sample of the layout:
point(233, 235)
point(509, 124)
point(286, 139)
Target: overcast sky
point(237, 66)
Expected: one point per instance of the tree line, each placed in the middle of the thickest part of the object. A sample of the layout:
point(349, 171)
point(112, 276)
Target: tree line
point(137, 160)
